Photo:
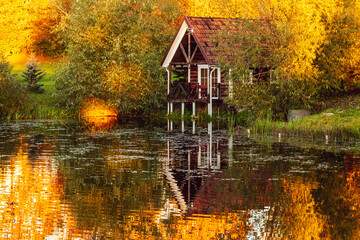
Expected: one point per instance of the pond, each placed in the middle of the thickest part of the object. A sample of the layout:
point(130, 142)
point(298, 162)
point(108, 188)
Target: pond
point(60, 180)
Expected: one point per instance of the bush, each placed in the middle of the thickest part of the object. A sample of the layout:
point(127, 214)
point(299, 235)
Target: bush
point(13, 96)
point(113, 53)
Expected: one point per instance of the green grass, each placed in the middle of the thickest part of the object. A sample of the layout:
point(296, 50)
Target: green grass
point(334, 122)
point(40, 105)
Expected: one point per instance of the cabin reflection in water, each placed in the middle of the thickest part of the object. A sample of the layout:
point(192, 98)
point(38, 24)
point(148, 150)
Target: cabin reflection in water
point(192, 169)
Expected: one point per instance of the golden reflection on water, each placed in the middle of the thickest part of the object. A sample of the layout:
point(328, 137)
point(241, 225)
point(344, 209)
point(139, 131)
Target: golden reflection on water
point(98, 115)
point(299, 217)
point(170, 224)
point(30, 199)
point(33, 204)
point(336, 217)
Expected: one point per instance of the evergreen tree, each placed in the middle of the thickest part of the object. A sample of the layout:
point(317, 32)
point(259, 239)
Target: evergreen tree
point(33, 75)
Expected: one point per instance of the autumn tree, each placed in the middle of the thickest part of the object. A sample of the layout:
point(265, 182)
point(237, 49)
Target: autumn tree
point(113, 53)
point(220, 8)
point(28, 26)
point(44, 38)
point(258, 53)
point(338, 58)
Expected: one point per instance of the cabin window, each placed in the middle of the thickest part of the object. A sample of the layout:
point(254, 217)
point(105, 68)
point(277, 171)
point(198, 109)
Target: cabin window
point(248, 77)
point(203, 76)
point(258, 76)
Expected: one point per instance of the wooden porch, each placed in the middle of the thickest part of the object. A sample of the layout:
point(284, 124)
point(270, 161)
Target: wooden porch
point(194, 92)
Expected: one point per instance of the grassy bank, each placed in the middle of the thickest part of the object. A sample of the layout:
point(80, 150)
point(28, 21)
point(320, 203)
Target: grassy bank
point(39, 105)
point(341, 120)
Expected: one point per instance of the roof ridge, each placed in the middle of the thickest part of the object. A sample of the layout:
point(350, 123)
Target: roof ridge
point(226, 18)
point(213, 17)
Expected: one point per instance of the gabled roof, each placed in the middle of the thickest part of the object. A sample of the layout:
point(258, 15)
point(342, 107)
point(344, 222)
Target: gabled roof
point(205, 29)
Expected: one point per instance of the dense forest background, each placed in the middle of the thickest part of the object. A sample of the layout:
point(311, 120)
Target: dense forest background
point(111, 49)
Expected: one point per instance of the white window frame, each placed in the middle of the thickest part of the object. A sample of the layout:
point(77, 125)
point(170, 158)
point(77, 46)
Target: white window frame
point(203, 66)
point(250, 74)
point(199, 77)
point(218, 81)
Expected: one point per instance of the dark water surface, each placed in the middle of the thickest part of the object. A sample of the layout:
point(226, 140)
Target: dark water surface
point(61, 181)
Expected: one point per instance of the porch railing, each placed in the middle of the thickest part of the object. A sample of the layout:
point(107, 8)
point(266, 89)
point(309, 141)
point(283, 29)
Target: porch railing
point(193, 91)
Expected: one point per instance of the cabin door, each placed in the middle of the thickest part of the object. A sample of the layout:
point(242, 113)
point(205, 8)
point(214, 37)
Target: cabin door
point(203, 78)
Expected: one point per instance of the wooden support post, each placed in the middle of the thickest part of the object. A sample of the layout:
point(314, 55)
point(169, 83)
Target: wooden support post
point(182, 109)
point(210, 93)
point(210, 128)
point(168, 80)
point(171, 111)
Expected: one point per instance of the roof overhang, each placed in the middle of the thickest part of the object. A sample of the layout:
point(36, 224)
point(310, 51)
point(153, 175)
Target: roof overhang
point(177, 40)
point(175, 44)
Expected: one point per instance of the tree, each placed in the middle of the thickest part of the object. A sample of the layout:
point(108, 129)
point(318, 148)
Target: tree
point(33, 75)
point(220, 8)
point(338, 58)
point(44, 38)
point(258, 53)
point(113, 53)
point(28, 26)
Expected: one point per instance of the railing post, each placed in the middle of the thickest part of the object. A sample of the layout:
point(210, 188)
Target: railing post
point(219, 90)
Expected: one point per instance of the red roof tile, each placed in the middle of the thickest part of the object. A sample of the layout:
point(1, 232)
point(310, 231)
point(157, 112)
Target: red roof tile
point(205, 30)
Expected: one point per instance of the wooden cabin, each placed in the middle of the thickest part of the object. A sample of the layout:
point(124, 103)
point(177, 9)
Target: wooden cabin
point(193, 72)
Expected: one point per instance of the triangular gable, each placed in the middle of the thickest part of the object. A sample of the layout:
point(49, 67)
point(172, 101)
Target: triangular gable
point(204, 30)
point(176, 43)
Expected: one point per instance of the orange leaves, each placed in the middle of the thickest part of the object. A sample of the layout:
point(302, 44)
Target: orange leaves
point(223, 8)
point(30, 200)
point(97, 113)
point(300, 213)
point(18, 24)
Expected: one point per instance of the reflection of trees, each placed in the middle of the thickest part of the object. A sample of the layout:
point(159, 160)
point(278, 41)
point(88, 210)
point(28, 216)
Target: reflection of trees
point(338, 197)
point(110, 185)
point(113, 180)
point(298, 216)
point(31, 204)
point(121, 194)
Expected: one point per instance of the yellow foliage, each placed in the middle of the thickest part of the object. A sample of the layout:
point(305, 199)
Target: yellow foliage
point(214, 8)
point(31, 204)
point(304, 19)
point(97, 113)
point(17, 24)
point(300, 217)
